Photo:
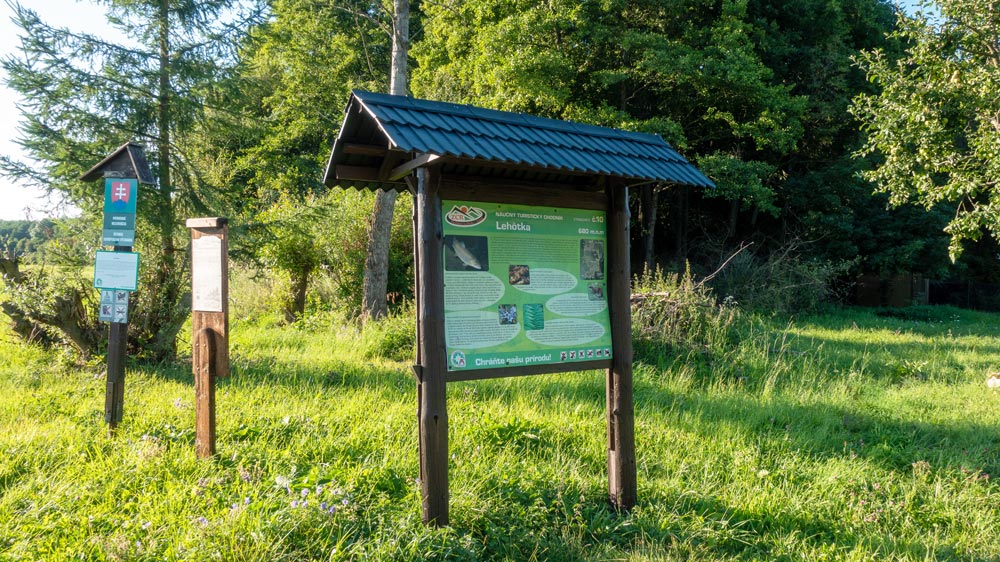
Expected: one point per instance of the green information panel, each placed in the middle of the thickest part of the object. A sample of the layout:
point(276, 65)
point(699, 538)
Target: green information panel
point(524, 285)
point(120, 195)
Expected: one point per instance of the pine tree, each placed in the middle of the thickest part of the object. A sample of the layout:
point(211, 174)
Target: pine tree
point(147, 79)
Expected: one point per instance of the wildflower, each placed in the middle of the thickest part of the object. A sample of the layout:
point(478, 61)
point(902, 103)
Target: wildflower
point(147, 524)
point(305, 492)
point(294, 504)
point(202, 521)
point(178, 403)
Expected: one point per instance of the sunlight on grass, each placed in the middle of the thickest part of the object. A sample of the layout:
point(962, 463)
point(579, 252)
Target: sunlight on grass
point(842, 436)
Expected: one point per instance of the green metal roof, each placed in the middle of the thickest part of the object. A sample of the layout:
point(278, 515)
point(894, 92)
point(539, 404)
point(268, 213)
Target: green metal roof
point(471, 136)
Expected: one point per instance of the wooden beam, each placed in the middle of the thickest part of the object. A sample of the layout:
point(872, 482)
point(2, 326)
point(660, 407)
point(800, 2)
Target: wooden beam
point(622, 486)
point(365, 149)
point(432, 409)
point(391, 160)
point(407, 167)
point(359, 173)
point(522, 193)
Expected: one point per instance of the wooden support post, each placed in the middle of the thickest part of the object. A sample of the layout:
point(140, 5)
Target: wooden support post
point(620, 414)
point(202, 359)
point(114, 397)
point(431, 388)
point(209, 322)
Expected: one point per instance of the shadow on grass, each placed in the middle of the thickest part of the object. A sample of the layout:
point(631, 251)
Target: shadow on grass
point(269, 371)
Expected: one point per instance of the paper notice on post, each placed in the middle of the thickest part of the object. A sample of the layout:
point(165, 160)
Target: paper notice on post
point(206, 274)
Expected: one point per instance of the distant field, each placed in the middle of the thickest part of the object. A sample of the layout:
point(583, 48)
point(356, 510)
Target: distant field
point(842, 436)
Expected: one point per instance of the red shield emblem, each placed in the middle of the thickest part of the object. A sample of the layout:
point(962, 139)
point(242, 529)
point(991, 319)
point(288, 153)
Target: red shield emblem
point(119, 192)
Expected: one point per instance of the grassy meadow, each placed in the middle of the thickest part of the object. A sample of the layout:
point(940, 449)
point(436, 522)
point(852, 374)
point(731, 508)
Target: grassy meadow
point(846, 435)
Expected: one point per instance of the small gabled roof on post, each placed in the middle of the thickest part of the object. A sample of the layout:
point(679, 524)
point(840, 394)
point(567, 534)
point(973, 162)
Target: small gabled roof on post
point(129, 159)
point(384, 137)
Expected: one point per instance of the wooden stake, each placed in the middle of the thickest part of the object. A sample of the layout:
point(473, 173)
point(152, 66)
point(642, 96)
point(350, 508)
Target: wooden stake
point(431, 391)
point(209, 322)
point(620, 414)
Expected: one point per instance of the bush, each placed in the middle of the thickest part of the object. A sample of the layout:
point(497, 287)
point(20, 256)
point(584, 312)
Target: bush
point(54, 305)
point(672, 313)
point(782, 282)
point(321, 243)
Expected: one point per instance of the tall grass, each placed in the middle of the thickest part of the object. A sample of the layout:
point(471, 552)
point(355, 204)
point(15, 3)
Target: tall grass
point(840, 436)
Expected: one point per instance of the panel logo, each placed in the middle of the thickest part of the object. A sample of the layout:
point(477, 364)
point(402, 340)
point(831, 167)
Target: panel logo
point(457, 359)
point(465, 216)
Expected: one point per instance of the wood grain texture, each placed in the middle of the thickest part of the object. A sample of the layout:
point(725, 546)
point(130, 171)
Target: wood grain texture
point(433, 411)
point(622, 483)
point(523, 193)
point(114, 396)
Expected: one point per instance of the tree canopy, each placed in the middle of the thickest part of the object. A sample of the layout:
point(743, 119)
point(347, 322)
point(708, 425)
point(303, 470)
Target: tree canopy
point(933, 128)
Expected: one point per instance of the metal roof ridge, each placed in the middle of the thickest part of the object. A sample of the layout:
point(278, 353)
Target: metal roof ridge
point(501, 116)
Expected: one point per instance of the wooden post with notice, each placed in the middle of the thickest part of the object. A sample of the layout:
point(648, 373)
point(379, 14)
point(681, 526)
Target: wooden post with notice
point(209, 322)
point(116, 273)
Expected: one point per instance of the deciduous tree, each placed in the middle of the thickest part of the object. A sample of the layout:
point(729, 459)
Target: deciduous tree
point(933, 128)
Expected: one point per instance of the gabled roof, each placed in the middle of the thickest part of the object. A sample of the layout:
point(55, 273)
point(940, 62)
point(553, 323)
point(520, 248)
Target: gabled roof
point(384, 136)
point(129, 159)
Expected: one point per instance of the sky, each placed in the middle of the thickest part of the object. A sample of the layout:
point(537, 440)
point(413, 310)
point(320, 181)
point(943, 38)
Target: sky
point(18, 202)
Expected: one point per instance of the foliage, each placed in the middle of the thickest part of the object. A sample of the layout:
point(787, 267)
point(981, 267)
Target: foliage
point(753, 92)
point(323, 238)
point(932, 128)
point(672, 313)
point(392, 336)
point(54, 305)
point(19, 238)
point(298, 69)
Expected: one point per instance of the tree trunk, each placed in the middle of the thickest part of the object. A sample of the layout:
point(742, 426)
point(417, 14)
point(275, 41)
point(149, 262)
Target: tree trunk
point(166, 286)
point(296, 307)
point(400, 47)
point(376, 277)
point(647, 213)
point(680, 217)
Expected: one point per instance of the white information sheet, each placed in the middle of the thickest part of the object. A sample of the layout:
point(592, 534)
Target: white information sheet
point(116, 270)
point(206, 274)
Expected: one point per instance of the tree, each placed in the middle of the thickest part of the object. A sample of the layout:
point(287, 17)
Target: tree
point(933, 129)
point(298, 70)
point(85, 94)
point(698, 80)
point(375, 285)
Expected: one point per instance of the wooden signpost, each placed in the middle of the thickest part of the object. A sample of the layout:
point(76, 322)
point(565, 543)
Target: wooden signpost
point(116, 273)
point(209, 322)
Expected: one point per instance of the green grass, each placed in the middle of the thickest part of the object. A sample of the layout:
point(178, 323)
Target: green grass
point(840, 436)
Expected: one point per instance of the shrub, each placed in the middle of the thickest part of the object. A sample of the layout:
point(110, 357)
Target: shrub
point(782, 282)
point(672, 313)
point(54, 305)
